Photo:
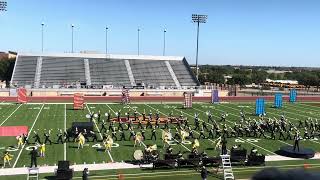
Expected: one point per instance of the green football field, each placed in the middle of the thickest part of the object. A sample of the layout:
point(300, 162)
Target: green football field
point(41, 117)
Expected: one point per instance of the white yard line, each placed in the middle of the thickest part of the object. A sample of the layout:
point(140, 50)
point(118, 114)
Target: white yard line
point(99, 133)
point(10, 114)
point(34, 122)
point(65, 128)
point(312, 108)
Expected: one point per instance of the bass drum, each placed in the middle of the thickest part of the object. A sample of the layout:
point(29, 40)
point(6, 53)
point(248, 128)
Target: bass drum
point(138, 155)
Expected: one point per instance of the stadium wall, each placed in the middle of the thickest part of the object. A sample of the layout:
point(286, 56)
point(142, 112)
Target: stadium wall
point(100, 99)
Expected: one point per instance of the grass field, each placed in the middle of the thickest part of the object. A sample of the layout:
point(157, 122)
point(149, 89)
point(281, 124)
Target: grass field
point(60, 116)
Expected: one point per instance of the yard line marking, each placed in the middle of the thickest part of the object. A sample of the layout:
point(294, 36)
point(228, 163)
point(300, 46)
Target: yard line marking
point(65, 128)
point(313, 108)
point(162, 129)
point(10, 114)
point(125, 124)
point(100, 133)
point(15, 163)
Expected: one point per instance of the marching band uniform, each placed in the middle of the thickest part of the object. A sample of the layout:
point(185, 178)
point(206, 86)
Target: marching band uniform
point(7, 158)
point(42, 150)
point(103, 126)
point(20, 141)
point(153, 133)
point(36, 137)
point(122, 135)
point(47, 138)
point(296, 141)
point(140, 124)
point(25, 139)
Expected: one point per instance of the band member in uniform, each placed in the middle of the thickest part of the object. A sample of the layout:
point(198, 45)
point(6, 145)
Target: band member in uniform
point(94, 136)
point(47, 137)
point(143, 131)
point(166, 125)
point(118, 114)
point(25, 139)
point(108, 143)
point(36, 137)
point(140, 124)
point(122, 135)
point(20, 141)
point(150, 115)
point(99, 116)
point(120, 125)
point(114, 134)
point(43, 150)
point(135, 114)
point(223, 117)
point(7, 158)
point(111, 125)
point(129, 124)
point(296, 141)
point(138, 139)
point(34, 155)
point(132, 134)
point(81, 140)
point(169, 150)
point(196, 122)
point(153, 133)
point(60, 136)
point(108, 115)
point(306, 134)
point(204, 125)
point(66, 136)
point(202, 134)
point(211, 133)
point(209, 117)
point(149, 121)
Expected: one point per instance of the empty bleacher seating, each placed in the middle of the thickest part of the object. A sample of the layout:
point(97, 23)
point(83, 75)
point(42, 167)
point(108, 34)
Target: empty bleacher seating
point(71, 70)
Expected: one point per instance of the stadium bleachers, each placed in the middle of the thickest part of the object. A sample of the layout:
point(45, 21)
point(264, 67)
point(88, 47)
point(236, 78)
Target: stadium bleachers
point(57, 71)
point(24, 71)
point(109, 72)
point(98, 70)
point(183, 73)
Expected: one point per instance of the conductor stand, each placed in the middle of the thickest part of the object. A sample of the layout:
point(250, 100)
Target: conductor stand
point(33, 173)
point(296, 151)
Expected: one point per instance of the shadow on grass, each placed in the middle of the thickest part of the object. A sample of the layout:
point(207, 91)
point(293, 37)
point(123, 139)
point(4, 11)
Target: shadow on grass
point(50, 177)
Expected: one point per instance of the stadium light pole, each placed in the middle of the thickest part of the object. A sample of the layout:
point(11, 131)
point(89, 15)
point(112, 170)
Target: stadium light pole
point(107, 40)
point(42, 25)
point(197, 18)
point(72, 26)
point(138, 41)
point(164, 42)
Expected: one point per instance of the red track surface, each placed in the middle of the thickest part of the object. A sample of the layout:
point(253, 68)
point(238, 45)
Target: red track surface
point(91, 99)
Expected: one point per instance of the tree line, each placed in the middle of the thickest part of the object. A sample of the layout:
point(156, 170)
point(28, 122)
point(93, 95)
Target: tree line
point(245, 75)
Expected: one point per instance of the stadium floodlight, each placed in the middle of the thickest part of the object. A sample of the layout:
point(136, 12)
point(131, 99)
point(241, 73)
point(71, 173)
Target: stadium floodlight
point(3, 6)
point(72, 26)
point(107, 40)
point(138, 41)
point(42, 24)
point(164, 42)
point(197, 18)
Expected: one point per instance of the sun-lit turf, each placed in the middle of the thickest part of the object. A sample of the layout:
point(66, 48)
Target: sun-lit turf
point(53, 116)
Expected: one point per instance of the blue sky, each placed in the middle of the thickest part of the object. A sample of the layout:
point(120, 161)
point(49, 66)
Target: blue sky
point(250, 32)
